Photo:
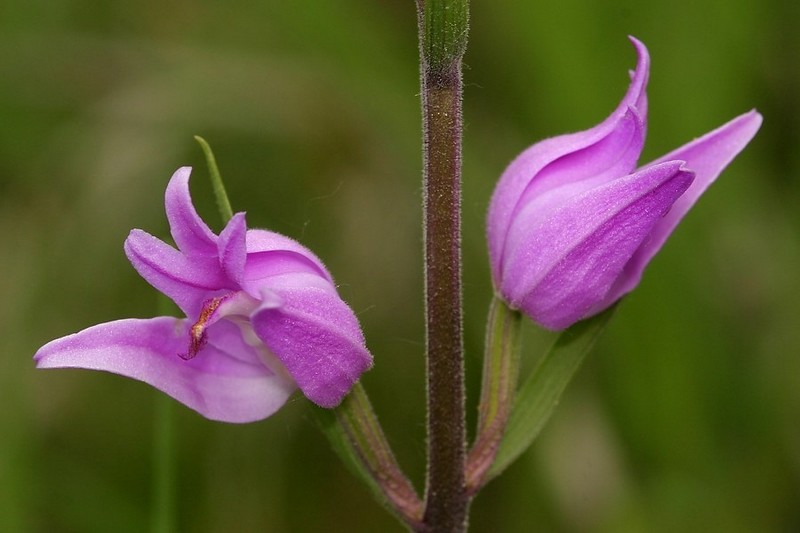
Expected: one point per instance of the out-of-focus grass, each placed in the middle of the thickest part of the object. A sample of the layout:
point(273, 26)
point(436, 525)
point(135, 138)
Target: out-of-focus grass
point(685, 419)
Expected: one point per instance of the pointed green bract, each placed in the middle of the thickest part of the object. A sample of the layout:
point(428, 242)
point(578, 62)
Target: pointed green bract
point(539, 395)
point(223, 205)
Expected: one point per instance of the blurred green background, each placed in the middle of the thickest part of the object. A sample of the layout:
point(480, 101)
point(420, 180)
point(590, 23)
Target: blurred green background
point(686, 418)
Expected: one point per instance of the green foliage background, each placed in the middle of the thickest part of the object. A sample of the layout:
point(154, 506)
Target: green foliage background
point(686, 418)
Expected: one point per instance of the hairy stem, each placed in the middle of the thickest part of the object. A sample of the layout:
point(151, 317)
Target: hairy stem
point(443, 28)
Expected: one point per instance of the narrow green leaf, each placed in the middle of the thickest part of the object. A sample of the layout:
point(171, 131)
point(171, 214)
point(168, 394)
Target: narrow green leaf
point(223, 205)
point(541, 392)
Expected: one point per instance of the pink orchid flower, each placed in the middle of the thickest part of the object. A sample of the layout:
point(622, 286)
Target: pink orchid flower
point(264, 319)
point(573, 222)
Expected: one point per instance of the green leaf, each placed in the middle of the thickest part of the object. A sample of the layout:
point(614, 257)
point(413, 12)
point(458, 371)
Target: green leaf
point(541, 392)
point(223, 205)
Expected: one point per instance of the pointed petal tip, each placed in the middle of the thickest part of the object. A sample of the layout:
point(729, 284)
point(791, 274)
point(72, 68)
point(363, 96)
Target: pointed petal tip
point(639, 45)
point(745, 126)
point(189, 231)
point(179, 180)
point(39, 356)
point(236, 224)
point(753, 120)
point(636, 95)
point(183, 172)
point(136, 233)
point(641, 51)
point(709, 154)
point(134, 243)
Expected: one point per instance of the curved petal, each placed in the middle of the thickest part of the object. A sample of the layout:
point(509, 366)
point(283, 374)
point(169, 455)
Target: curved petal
point(216, 385)
point(317, 338)
point(706, 157)
point(233, 249)
point(190, 233)
point(561, 270)
point(186, 281)
point(607, 160)
point(637, 94)
point(282, 267)
point(605, 151)
point(260, 240)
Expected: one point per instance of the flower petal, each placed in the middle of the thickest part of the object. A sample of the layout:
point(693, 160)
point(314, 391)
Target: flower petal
point(317, 338)
point(706, 157)
point(562, 266)
point(233, 249)
point(284, 268)
point(190, 233)
point(608, 159)
point(186, 281)
point(259, 240)
point(604, 152)
point(216, 385)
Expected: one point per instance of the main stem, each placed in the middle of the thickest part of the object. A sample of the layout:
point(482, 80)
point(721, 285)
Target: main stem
point(446, 496)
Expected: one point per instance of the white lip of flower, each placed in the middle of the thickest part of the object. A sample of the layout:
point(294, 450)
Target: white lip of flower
point(236, 307)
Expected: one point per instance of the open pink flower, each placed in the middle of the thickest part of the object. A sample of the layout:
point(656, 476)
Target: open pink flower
point(573, 223)
point(264, 318)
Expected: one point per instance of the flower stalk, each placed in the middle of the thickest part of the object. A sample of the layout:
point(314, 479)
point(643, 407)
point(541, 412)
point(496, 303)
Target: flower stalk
point(356, 433)
point(443, 28)
point(500, 372)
